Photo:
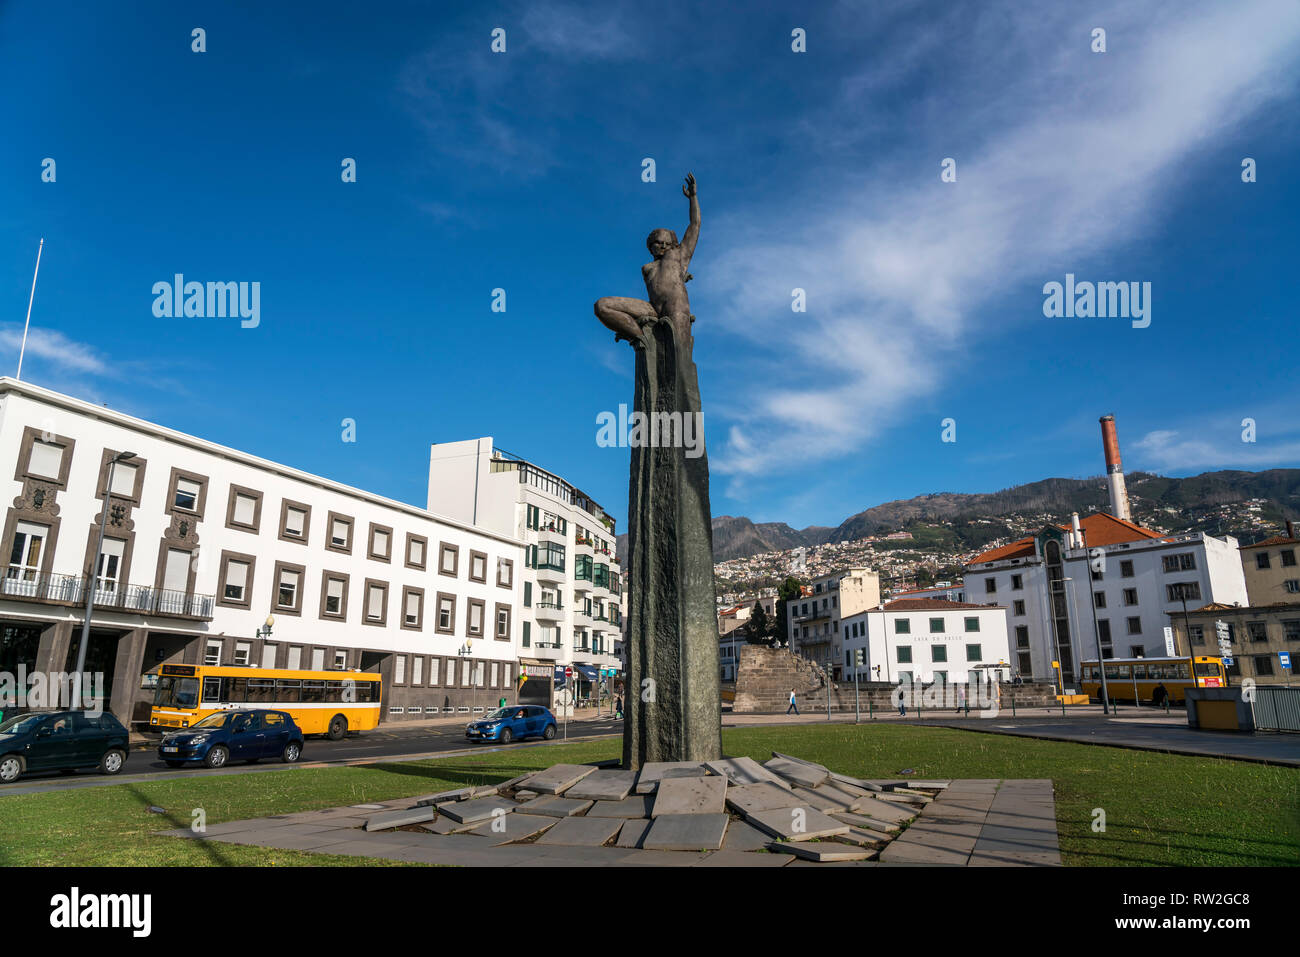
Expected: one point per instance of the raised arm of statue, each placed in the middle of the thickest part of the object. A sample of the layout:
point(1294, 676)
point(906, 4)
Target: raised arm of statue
point(693, 230)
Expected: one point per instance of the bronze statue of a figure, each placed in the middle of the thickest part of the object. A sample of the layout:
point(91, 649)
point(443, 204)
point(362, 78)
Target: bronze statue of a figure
point(673, 709)
point(665, 281)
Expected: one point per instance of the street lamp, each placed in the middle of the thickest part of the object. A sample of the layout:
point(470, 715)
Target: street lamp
point(265, 631)
point(94, 575)
point(1096, 637)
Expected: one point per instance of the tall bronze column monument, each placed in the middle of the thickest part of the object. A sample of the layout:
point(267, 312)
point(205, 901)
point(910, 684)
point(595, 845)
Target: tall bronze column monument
point(672, 710)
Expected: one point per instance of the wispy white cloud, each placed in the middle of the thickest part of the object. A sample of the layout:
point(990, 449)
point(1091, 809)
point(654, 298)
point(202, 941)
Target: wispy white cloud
point(53, 348)
point(1071, 158)
point(1168, 450)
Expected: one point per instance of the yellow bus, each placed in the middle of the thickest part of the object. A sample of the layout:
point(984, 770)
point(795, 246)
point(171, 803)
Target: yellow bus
point(321, 702)
point(1137, 679)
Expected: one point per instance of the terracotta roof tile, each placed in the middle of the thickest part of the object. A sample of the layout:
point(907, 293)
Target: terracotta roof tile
point(930, 604)
point(1275, 540)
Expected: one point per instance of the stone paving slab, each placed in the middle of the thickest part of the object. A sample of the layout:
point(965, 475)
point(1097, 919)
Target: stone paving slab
point(885, 828)
point(822, 851)
point(815, 797)
point(842, 797)
point(742, 771)
point(690, 796)
point(655, 771)
point(862, 837)
point(633, 832)
point(686, 832)
point(796, 772)
point(904, 797)
point(638, 805)
point(582, 831)
point(388, 819)
point(885, 811)
point(559, 778)
point(1020, 828)
point(604, 786)
point(445, 825)
point(512, 827)
point(478, 809)
point(743, 836)
point(459, 794)
point(983, 822)
point(787, 825)
point(553, 806)
point(763, 796)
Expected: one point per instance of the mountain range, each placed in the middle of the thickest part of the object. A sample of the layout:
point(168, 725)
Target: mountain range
point(1176, 504)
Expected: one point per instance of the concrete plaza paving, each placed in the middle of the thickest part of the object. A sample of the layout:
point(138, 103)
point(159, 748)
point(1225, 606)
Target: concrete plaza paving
point(958, 823)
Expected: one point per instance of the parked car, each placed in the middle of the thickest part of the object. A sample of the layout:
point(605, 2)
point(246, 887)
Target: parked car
point(507, 724)
point(241, 735)
point(61, 741)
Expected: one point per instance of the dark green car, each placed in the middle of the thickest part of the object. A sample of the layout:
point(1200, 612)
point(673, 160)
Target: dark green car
point(61, 741)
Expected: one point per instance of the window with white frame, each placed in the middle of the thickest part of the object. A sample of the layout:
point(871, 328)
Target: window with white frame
point(46, 459)
point(417, 670)
point(25, 557)
point(287, 590)
point(236, 581)
point(375, 595)
point(187, 494)
point(124, 479)
point(212, 653)
point(242, 651)
point(245, 509)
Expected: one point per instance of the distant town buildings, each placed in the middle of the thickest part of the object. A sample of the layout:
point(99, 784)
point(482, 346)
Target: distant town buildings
point(925, 640)
point(814, 619)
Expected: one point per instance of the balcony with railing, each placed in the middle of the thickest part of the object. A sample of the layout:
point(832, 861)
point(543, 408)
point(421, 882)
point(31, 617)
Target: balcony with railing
point(549, 610)
point(25, 584)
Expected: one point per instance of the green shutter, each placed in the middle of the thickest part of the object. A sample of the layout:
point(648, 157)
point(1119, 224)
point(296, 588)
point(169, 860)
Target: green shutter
point(528, 626)
point(528, 596)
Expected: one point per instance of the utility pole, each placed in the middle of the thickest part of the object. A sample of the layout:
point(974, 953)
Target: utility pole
point(94, 577)
point(30, 300)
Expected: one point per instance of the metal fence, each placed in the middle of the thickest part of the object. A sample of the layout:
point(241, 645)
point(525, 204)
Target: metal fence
point(1276, 708)
point(21, 583)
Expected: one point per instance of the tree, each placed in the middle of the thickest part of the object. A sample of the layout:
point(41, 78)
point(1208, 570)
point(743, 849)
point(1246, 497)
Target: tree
point(788, 590)
point(759, 627)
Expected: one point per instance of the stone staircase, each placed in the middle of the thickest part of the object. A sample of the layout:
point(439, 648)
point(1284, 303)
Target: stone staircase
point(764, 677)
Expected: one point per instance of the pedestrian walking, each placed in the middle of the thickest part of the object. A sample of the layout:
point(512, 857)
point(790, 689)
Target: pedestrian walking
point(794, 706)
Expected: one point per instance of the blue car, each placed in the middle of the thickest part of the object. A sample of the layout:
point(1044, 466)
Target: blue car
point(243, 735)
point(509, 724)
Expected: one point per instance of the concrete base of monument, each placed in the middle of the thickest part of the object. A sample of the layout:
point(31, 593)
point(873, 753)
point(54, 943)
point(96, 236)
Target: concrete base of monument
point(734, 812)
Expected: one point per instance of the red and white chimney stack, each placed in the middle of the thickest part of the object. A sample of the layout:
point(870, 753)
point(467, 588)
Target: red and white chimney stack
point(1114, 470)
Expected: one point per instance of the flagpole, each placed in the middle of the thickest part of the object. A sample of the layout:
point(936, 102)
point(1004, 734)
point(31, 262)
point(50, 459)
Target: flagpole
point(30, 299)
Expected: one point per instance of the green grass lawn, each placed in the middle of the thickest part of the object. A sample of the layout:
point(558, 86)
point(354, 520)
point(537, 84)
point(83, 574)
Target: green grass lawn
point(1160, 809)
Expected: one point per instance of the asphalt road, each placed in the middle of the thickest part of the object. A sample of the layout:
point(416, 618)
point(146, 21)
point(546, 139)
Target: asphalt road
point(357, 747)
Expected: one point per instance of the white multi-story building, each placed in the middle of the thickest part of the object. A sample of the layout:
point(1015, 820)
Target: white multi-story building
point(926, 640)
point(572, 598)
point(947, 591)
point(204, 543)
point(1133, 581)
point(813, 620)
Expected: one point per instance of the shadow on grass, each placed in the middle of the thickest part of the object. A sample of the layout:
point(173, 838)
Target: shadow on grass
point(209, 848)
point(453, 774)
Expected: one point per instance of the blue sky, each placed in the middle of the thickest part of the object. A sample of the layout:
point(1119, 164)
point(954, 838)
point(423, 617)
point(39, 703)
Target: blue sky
point(522, 171)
